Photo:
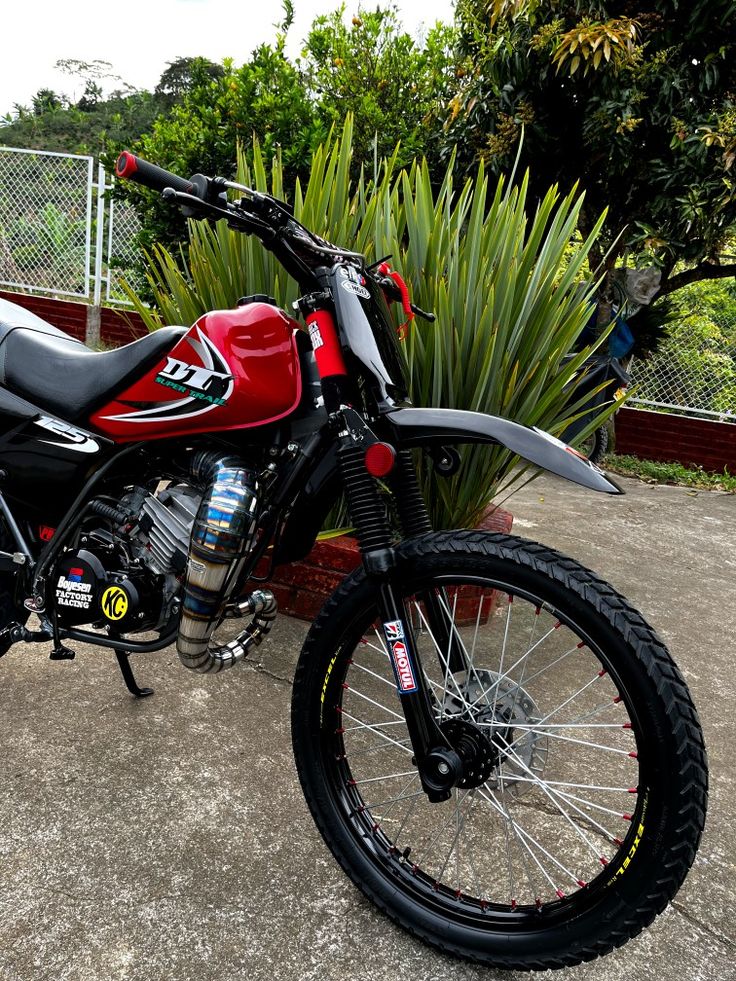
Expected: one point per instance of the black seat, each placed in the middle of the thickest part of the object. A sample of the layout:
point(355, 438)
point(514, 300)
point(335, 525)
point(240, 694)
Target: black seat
point(57, 373)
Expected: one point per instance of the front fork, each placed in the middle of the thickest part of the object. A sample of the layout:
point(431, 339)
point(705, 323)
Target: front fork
point(440, 766)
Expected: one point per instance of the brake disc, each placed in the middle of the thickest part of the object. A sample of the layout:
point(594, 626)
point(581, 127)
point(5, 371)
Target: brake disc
point(507, 713)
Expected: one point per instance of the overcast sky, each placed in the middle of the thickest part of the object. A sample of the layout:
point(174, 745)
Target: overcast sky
point(140, 36)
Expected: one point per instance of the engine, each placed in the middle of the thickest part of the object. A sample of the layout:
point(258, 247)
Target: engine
point(147, 561)
point(129, 567)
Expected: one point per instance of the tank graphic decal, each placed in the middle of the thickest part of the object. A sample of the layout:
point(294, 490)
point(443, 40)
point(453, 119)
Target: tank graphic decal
point(204, 386)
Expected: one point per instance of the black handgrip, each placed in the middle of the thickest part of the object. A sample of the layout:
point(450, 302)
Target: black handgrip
point(133, 168)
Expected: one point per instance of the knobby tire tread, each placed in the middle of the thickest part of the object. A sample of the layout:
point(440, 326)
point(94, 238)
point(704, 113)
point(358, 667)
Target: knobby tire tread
point(652, 654)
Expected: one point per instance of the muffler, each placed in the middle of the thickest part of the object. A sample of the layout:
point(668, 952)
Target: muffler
point(223, 536)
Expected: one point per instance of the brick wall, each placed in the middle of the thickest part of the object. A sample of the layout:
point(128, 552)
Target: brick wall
point(302, 588)
point(116, 327)
point(651, 435)
point(677, 439)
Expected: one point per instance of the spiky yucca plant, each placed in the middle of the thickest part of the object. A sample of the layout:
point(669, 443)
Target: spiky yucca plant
point(501, 278)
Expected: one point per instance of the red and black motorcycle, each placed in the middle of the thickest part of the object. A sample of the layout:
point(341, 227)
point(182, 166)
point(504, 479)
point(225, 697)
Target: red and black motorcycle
point(496, 747)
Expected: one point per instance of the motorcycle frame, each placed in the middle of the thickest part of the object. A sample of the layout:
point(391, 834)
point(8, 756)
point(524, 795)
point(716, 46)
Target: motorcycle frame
point(365, 397)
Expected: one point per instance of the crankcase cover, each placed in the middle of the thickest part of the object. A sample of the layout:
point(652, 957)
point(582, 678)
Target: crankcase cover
point(79, 580)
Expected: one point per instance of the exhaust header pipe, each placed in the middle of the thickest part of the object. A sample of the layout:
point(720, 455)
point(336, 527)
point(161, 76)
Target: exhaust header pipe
point(223, 535)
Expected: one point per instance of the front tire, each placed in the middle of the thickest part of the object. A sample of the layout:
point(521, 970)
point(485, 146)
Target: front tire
point(581, 830)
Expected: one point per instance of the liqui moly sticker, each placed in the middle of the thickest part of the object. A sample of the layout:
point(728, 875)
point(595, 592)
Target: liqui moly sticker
point(394, 630)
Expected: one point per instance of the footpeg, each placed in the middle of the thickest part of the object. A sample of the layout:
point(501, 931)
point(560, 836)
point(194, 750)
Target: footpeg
point(61, 653)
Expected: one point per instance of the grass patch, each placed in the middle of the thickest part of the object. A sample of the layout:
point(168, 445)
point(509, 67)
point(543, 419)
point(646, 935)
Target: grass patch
point(670, 473)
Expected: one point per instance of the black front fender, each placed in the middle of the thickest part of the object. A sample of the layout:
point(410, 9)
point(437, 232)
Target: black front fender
point(438, 427)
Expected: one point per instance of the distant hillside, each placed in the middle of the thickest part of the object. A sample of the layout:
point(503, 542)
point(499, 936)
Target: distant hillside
point(107, 124)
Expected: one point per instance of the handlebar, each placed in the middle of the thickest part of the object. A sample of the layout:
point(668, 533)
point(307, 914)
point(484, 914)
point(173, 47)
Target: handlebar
point(299, 250)
point(133, 168)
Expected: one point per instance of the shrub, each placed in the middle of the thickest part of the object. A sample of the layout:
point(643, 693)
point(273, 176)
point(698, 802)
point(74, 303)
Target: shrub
point(506, 314)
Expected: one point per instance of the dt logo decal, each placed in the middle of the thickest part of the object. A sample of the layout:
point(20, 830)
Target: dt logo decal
point(114, 603)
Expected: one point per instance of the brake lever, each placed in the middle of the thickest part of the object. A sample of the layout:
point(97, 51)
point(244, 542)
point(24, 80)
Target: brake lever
point(193, 207)
point(422, 313)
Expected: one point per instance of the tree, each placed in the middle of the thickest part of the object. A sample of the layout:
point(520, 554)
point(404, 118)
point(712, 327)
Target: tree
point(267, 96)
point(394, 87)
point(185, 74)
point(467, 250)
point(635, 99)
point(45, 100)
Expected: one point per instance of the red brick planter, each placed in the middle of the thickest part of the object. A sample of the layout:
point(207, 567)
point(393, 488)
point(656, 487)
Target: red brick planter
point(302, 588)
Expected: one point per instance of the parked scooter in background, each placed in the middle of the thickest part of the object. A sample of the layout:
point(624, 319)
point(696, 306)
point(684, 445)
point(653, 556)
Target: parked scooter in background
point(606, 378)
point(637, 331)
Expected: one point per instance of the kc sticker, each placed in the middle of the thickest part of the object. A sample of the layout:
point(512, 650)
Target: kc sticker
point(405, 679)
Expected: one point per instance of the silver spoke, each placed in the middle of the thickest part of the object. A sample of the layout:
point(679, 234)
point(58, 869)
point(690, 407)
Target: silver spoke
point(509, 608)
point(445, 663)
point(393, 800)
point(360, 694)
point(394, 742)
point(386, 776)
point(540, 783)
point(567, 701)
point(379, 677)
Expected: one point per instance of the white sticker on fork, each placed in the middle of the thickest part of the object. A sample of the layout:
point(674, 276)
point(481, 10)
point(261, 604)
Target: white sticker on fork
point(406, 681)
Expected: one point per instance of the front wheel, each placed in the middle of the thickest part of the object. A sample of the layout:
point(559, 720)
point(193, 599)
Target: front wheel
point(583, 809)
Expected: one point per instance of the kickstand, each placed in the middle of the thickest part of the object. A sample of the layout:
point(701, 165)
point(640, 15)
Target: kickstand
point(129, 677)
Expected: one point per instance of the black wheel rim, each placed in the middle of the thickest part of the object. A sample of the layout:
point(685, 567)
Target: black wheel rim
point(602, 817)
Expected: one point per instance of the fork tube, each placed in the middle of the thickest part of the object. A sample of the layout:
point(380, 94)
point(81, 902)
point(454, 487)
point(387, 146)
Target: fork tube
point(414, 518)
point(369, 517)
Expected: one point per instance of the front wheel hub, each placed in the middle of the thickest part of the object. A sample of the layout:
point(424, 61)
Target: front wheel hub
point(478, 754)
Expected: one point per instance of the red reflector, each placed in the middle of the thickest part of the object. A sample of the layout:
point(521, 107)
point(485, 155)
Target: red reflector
point(46, 533)
point(380, 459)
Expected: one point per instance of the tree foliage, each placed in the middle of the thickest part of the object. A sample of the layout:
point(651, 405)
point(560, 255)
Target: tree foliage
point(505, 289)
point(266, 96)
point(394, 86)
point(636, 99)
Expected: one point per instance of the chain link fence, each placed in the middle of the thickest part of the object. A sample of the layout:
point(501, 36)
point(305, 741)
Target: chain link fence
point(46, 221)
point(62, 233)
point(694, 371)
point(123, 228)
point(60, 230)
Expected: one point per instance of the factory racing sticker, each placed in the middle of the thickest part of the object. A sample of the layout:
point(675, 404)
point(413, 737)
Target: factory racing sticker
point(71, 591)
point(406, 681)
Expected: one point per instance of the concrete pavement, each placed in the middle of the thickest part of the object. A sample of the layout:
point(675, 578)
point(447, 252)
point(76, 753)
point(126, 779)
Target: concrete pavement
point(168, 839)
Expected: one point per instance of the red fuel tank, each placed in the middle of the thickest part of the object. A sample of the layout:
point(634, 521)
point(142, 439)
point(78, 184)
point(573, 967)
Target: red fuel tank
point(233, 369)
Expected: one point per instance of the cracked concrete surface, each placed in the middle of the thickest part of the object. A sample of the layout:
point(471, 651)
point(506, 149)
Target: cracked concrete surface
point(168, 838)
